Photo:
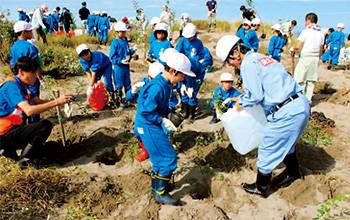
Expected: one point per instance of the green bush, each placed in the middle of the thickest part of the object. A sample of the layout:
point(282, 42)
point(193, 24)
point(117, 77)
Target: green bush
point(7, 38)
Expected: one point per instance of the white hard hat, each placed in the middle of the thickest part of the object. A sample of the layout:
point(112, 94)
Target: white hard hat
point(224, 46)
point(53, 11)
point(189, 31)
point(22, 26)
point(256, 21)
point(20, 9)
point(31, 12)
point(276, 27)
point(154, 69)
point(226, 77)
point(104, 12)
point(161, 27)
point(155, 20)
point(247, 22)
point(97, 12)
point(180, 63)
point(120, 26)
point(48, 13)
point(81, 47)
point(167, 52)
point(340, 25)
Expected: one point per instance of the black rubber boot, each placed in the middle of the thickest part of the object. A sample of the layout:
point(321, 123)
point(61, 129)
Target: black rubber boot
point(9, 154)
point(100, 42)
point(185, 110)
point(118, 98)
point(192, 110)
point(160, 191)
point(26, 158)
point(105, 43)
point(112, 100)
point(260, 187)
point(290, 174)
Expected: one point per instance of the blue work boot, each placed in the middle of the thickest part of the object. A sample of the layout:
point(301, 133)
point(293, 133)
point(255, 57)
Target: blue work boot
point(160, 190)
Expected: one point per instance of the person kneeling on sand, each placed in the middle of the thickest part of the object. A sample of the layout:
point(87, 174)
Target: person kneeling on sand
point(14, 98)
point(267, 83)
point(152, 109)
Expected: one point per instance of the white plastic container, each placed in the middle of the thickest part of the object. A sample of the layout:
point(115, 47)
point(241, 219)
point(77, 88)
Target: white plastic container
point(245, 127)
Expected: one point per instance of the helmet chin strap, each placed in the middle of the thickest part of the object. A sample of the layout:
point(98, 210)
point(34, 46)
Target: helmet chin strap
point(239, 55)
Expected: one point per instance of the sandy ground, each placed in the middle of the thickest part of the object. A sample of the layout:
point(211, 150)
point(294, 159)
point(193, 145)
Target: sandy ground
point(209, 170)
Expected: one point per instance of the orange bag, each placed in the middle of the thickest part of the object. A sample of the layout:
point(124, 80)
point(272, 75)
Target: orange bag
point(71, 32)
point(99, 98)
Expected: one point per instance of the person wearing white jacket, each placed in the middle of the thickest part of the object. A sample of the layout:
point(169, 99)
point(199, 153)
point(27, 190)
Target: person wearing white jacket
point(38, 24)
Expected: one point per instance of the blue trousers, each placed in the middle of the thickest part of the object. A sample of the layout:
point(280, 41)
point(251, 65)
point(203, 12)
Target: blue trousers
point(196, 84)
point(282, 132)
point(334, 53)
point(121, 77)
point(276, 55)
point(159, 148)
point(106, 72)
point(325, 56)
point(103, 35)
point(91, 31)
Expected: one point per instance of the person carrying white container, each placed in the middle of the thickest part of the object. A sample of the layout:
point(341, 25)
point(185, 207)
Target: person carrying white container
point(267, 83)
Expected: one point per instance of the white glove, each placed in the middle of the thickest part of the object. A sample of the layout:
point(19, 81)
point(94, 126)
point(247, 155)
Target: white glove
point(135, 47)
point(289, 41)
point(95, 28)
point(68, 110)
point(201, 61)
point(190, 92)
point(135, 88)
point(89, 91)
point(218, 114)
point(291, 50)
point(183, 90)
point(226, 101)
point(43, 84)
point(125, 62)
point(169, 125)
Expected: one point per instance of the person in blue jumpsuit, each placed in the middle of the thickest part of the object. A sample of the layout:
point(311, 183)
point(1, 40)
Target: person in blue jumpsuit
point(103, 27)
point(91, 24)
point(22, 48)
point(225, 96)
point(241, 32)
point(133, 94)
point(49, 20)
point(325, 52)
point(193, 48)
point(120, 55)
point(96, 23)
point(152, 109)
point(21, 15)
point(160, 45)
point(251, 38)
point(208, 60)
point(152, 37)
point(277, 42)
point(14, 99)
point(56, 19)
point(336, 40)
point(96, 64)
point(267, 83)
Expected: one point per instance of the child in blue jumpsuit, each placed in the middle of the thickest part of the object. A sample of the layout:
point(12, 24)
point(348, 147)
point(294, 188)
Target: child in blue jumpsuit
point(103, 27)
point(276, 44)
point(120, 54)
point(336, 40)
point(251, 38)
point(153, 107)
point(225, 96)
point(96, 64)
point(56, 19)
point(267, 83)
point(22, 48)
point(193, 48)
point(160, 45)
point(97, 20)
point(133, 94)
point(91, 24)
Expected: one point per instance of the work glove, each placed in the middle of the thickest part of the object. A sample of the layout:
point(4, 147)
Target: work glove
point(135, 88)
point(169, 125)
point(43, 84)
point(151, 59)
point(89, 91)
point(225, 102)
point(135, 47)
point(95, 28)
point(218, 114)
point(190, 92)
point(68, 110)
point(125, 61)
point(183, 90)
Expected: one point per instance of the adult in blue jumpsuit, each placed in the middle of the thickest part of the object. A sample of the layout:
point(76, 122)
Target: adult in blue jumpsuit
point(267, 83)
point(225, 95)
point(276, 44)
point(336, 40)
point(193, 48)
point(120, 55)
point(160, 45)
point(14, 99)
point(22, 48)
point(103, 26)
point(251, 38)
point(153, 107)
point(91, 24)
point(56, 19)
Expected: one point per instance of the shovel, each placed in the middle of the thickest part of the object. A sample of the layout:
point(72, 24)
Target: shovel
point(56, 94)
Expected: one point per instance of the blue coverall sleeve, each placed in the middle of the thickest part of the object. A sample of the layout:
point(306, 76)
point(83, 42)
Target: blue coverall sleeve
point(247, 39)
point(179, 46)
point(329, 39)
point(252, 86)
point(129, 97)
point(200, 54)
point(150, 106)
point(84, 64)
point(173, 101)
